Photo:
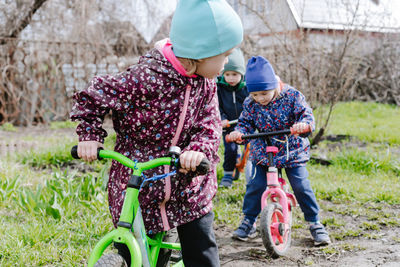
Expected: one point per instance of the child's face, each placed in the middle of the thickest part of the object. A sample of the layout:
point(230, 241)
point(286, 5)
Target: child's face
point(232, 77)
point(263, 97)
point(210, 67)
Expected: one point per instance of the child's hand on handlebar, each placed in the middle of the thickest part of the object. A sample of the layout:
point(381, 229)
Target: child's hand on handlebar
point(234, 136)
point(87, 150)
point(300, 128)
point(189, 160)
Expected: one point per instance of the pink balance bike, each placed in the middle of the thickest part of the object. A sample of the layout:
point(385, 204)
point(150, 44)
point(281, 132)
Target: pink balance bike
point(276, 201)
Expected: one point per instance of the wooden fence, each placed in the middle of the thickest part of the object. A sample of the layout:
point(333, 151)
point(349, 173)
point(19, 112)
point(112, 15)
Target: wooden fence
point(38, 78)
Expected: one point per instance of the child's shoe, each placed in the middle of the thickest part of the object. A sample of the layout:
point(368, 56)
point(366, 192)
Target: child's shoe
point(226, 181)
point(319, 234)
point(245, 231)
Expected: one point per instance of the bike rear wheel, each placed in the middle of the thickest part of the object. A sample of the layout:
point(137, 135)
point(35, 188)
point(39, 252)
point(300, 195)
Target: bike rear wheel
point(111, 260)
point(276, 238)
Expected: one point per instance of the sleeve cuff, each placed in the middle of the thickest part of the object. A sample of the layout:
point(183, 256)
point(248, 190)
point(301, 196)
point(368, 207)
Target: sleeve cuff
point(89, 137)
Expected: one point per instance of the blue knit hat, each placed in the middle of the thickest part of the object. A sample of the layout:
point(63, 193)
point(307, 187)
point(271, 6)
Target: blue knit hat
point(260, 75)
point(204, 28)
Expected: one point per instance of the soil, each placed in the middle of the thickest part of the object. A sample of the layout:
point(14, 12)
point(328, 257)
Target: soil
point(383, 249)
point(371, 247)
point(367, 247)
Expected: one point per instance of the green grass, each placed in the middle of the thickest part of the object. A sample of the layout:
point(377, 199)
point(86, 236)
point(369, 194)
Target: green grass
point(50, 213)
point(367, 162)
point(53, 208)
point(56, 156)
point(51, 221)
point(63, 124)
point(338, 185)
point(228, 204)
point(370, 122)
point(8, 127)
point(45, 241)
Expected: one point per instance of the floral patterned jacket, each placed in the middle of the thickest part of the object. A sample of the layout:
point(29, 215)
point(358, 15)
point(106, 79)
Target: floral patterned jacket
point(146, 102)
point(280, 114)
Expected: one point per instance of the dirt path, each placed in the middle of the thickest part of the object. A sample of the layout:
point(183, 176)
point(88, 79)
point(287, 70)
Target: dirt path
point(367, 235)
point(373, 253)
point(379, 248)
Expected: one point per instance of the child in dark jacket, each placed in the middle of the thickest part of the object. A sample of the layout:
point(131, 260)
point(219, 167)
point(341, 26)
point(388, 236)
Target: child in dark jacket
point(274, 106)
point(232, 92)
point(168, 99)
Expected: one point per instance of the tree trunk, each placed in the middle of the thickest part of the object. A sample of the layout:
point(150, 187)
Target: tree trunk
point(318, 137)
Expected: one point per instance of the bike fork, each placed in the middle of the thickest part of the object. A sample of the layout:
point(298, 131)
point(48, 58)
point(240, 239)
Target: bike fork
point(274, 191)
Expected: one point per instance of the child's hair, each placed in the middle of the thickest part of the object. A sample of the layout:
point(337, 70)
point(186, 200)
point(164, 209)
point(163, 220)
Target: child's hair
point(277, 90)
point(277, 93)
point(190, 65)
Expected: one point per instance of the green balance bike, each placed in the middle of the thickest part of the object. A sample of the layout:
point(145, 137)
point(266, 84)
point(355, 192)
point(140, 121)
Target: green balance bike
point(148, 251)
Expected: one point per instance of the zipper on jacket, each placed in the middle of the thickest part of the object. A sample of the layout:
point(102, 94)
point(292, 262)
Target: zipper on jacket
point(234, 103)
point(167, 180)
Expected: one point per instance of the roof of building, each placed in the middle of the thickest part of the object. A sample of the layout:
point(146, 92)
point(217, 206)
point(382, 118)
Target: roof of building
point(366, 15)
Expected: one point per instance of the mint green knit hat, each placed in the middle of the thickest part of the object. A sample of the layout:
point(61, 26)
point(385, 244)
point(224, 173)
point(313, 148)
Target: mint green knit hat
point(204, 28)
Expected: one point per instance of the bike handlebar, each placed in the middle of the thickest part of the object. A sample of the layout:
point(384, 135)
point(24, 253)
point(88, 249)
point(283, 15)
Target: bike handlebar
point(202, 169)
point(290, 131)
point(231, 123)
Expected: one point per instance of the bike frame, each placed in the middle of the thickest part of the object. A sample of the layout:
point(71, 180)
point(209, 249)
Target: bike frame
point(130, 210)
point(275, 191)
point(276, 218)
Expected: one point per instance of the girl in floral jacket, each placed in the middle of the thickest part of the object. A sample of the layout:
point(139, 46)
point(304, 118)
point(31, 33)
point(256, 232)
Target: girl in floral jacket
point(168, 98)
point(274, 106)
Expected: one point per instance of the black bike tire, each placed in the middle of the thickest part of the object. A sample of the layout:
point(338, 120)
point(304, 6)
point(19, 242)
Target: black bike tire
point(164, 255)
point(111, 260)
point(265, 221)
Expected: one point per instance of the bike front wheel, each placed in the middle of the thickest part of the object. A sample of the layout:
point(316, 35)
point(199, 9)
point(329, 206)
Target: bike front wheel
point(111, 260)
point(275, 235)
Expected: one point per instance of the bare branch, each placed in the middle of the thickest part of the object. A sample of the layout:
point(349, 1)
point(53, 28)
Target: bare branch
point(24, 21)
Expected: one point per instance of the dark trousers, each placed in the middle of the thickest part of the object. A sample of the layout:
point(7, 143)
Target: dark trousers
point(298, 179)
point(230, 155)
point(199, 247)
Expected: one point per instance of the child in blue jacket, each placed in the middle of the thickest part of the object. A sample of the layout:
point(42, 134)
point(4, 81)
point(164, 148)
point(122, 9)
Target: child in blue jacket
point(232, 92)
point(274, 106)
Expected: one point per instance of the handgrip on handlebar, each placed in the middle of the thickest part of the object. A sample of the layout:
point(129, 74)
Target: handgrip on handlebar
point(306, 130)
point(228, 139)
point(202, 169)
point(74, 152)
